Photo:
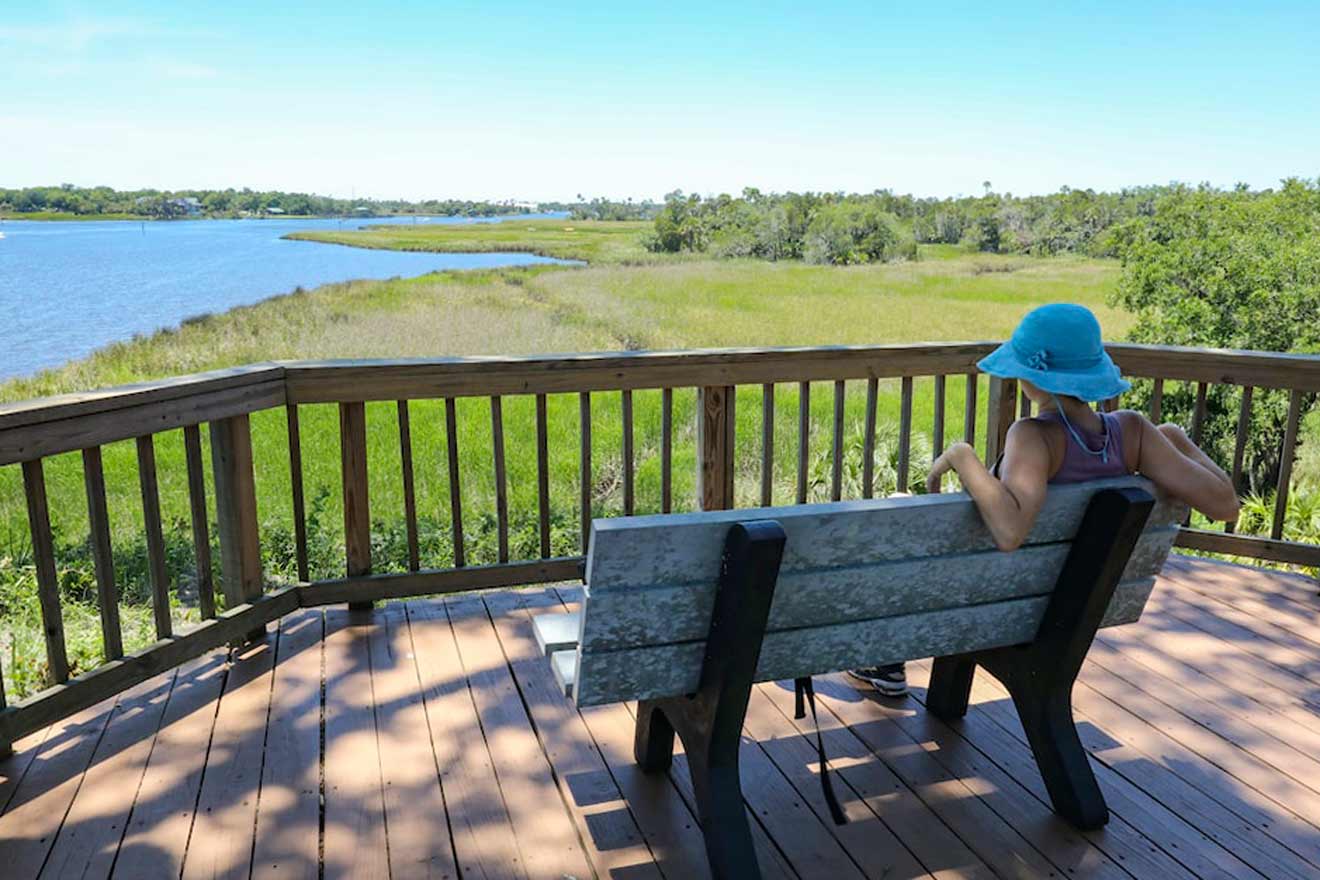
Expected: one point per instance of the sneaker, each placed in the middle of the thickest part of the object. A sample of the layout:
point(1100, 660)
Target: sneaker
point(890, 679)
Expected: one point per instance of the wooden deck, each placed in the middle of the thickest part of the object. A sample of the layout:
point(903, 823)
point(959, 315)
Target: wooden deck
point(426, 739)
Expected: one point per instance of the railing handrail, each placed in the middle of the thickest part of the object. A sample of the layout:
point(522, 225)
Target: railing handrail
point(316, 381)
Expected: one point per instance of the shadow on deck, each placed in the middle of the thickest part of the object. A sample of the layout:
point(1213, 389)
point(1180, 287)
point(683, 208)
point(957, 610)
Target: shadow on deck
point(427, 739)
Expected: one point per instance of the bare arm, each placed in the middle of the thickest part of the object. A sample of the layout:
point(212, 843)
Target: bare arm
point(1169, 458)
point(1008, 504)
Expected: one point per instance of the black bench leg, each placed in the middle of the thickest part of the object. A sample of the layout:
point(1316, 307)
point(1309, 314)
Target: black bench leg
point(1039, 676)
point(724, 824)
point(1047, 720)
point(653, 744)
point(710, 721)
point(950, 687)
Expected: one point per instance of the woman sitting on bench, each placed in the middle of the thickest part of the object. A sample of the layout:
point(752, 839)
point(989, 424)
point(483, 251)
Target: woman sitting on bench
point(1057, 356)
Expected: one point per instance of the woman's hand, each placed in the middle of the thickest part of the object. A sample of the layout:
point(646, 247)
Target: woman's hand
point(947, 461)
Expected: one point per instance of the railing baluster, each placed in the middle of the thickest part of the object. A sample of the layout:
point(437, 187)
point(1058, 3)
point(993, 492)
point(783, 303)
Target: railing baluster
point(836, 478)
point(357, 502)
point(666, 450)
point(868, 441)
point(584, 467)
point(543, 475)
point(160, 579)
point(937, 430)
point(48, 585)
point(103, 558)
point(626, 405)
point(455, 490)
point(767, 443)
point(192, 448)
point(969, 411)
point(1157, 401)
point(409, 487)
point(804, 439)
point(1240, 445)
point(296, 484)
point(904, 434)
point(501, 488)
point(236, 513)
point(1286, 464)
point(1198, 413)
point(1024, 405)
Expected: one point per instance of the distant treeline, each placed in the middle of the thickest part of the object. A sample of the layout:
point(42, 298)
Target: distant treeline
point(858, 228)
point(153, 203)
point(605, 209)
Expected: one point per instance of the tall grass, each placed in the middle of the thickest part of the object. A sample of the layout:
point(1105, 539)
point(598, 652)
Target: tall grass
point(610, 306)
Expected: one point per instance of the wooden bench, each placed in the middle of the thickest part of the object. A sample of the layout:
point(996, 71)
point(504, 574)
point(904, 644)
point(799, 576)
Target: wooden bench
point(684, 612)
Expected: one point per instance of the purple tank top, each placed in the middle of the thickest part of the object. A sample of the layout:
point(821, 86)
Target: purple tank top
point(1079, 465)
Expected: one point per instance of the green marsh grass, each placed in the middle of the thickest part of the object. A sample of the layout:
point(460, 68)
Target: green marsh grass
point(626, 299)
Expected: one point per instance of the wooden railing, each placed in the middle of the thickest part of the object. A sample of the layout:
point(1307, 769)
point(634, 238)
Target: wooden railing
point(33, 431)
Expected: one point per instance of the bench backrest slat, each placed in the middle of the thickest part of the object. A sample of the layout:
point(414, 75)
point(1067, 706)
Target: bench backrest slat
point(861, 583)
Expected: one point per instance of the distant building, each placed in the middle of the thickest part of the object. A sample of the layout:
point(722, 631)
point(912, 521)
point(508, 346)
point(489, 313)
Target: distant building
point(274, 210)
point(362, 209)
point(188, 206)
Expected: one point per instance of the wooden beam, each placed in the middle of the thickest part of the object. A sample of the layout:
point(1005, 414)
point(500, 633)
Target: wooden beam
point(48, 584)
point(296, 487)
point(543, 475)
point(108, 679)
point(337, 381)
point(1002, 409)
point(105, 426)
point(1250, 546)
point(156, 570)
point(236, 512)
point(192, 447)
point(103, 558)
point(357, 504)
point(715, 447)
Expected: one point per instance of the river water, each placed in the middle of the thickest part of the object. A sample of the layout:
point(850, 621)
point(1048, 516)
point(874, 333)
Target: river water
point(67, 288)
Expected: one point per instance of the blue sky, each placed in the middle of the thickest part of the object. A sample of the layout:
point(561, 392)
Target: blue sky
point(544, 101)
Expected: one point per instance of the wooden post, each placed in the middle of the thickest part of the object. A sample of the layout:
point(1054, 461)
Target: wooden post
point(357, 510)
point(1002, 408)
point(236, 513)
point(715, 445)
point(48, 584)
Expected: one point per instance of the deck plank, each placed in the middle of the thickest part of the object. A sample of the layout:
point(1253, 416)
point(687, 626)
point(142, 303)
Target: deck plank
point(606, 827)
point(985, 833)
point(938, 848)
point(1139, 825)
point(222, 834)
point(42, 799)
point(89, 838)
point(441, 719)
point(289, 812)
point(15, 767)
point(546, 835)
point(1210, 838)
point(156, 839)
point(478, 820)
point(420, 845)
point(355, 841)
point(867, 840)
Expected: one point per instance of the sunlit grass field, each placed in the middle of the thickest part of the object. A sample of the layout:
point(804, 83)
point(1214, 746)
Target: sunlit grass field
point(625, 299)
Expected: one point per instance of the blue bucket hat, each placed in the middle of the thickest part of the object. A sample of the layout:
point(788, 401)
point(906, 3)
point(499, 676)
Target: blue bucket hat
point(1058, 349)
